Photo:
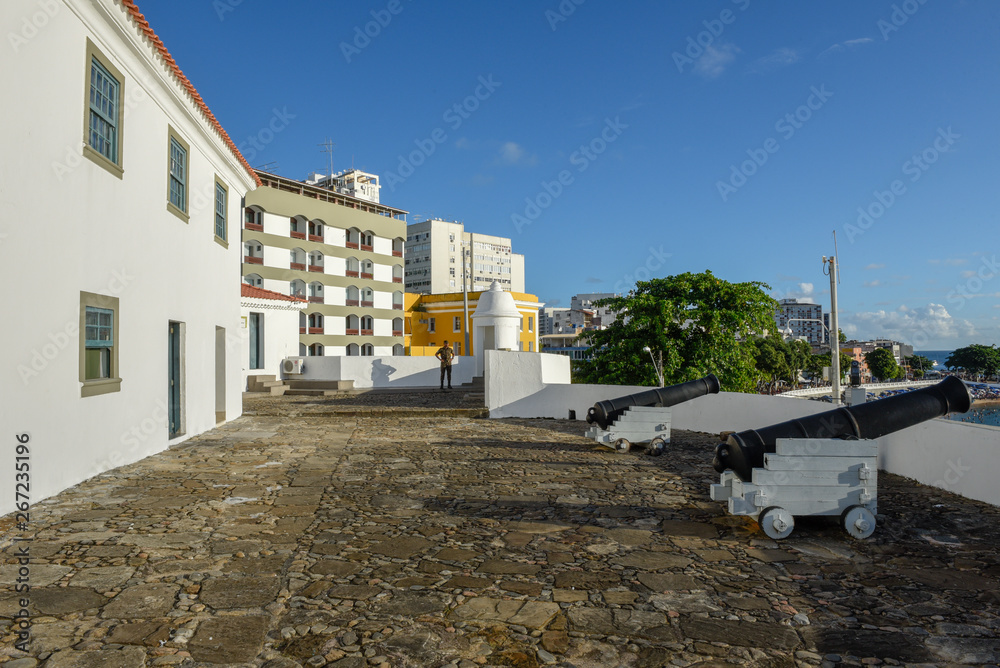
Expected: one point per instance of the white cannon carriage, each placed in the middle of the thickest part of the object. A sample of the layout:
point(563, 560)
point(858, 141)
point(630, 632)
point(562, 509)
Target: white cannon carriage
point(638, 424)
point(808, 477)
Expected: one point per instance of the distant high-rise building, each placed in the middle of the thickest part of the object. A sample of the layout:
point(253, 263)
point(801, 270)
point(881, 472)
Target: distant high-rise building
point(805, 320)
point(434, 261)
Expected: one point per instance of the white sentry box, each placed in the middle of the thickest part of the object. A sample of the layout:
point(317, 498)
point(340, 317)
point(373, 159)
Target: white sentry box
point(638, 424)
point(808, 476)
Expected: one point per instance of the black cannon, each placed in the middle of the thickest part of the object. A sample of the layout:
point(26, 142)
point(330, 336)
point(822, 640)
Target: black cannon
point(744, 451)
point(606, 412)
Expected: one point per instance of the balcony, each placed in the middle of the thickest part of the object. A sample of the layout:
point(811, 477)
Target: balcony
point(316, 299)
point(253, 226)
point(299, 295)
point(316, 237)
point(298, 235)
point(351, 244)
point(316, 267)
point(366, 248)
point(364, 275)
point(397, 253)
point(351, 332)
point(352, 274)
point(351, 302)
point(367, 304)
point(397, 307)
point(302, 330)
point(297, 265)
point(315, 330)
point(397, 279)
point(367, 332)
point(250, 259)
point(397, 332)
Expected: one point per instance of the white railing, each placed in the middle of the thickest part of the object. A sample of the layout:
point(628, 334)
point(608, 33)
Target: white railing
point(870, 387)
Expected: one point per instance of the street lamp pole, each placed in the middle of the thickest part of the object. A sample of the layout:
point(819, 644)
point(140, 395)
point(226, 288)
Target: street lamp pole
point(834, 330)
point(658, 368)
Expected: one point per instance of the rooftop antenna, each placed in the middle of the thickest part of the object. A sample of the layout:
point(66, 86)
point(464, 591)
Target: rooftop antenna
point(269, 167)
point(327, 147)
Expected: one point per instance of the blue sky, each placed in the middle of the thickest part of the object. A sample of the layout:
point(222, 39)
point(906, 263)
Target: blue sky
point(620, 141)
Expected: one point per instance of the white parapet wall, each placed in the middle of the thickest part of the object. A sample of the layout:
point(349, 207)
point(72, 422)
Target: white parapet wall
point(951, 455)
point(391, 371)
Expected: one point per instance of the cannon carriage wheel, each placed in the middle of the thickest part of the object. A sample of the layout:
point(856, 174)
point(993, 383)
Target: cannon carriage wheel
point(656, 446)
point(858, 521)
point(622, 445)
point(776, 522)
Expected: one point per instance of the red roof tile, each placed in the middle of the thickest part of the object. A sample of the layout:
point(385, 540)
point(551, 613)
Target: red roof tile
point(143, 24)
point(261, 293)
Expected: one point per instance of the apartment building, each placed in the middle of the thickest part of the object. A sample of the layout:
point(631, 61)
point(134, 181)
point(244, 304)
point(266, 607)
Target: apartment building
point(804, 319)
point(900, 351)
point(341, 252)
point(435, 264)
point(600, 316)
point(128, 341)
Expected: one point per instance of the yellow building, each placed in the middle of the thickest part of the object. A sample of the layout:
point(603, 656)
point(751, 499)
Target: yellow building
point(433, 319)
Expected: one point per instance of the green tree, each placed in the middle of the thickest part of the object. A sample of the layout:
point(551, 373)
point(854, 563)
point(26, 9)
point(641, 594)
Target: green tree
point(975, 359)
point(771, 360)
point(697, 321)
point(779, 360)
point(919, 365)
point(816, 363)
point(882, 364)
point(841, 336)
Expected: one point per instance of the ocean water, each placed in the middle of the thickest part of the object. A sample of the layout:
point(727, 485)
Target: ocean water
point(989, 415)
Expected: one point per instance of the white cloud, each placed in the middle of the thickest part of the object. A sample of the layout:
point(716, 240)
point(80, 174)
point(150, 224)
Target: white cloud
point(512, 153)
point(931, 323)
point(845, 45)
point(801, 291)
point(875, 266)
point(715, 60)
point(873, 284)
point(779, 58)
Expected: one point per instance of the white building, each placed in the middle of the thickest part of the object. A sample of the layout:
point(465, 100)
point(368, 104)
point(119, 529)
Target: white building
point(341, 253)
point(434, 262)
point(601, 316)
point(552, 319)
point(352, 182)
point(805, 320)
point(270, 325)
point(123, 196)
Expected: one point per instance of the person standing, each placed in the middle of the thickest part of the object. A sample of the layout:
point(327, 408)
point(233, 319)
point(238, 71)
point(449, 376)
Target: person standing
point(446, 354)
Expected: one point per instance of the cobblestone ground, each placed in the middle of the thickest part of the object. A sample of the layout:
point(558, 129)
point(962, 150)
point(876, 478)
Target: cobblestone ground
point(314, 533)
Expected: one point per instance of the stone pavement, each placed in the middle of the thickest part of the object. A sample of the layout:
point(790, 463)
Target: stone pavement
point(313, 533)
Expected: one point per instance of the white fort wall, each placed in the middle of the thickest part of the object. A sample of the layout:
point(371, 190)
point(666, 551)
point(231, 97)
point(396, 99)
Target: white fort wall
point(71, 226)
point(954, 456)
point(385, 371)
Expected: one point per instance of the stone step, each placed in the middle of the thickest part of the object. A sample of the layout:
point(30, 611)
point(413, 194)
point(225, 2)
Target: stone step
point(271, 383)
point(320, 384)
point(259, 383)
point(322, 393)
point(278, 390)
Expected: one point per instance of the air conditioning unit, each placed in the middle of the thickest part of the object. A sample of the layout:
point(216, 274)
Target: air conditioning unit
point(291, 365)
